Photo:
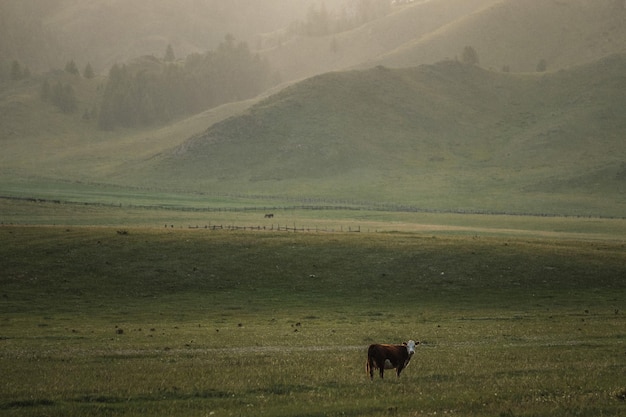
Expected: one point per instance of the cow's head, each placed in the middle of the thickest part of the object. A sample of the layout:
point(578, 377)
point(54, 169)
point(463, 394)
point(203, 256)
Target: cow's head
point(410, 346)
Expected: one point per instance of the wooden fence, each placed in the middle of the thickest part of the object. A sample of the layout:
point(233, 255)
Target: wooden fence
point(272, 227)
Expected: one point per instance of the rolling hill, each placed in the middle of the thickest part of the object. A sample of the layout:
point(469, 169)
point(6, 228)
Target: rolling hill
point(45, 34)
point(439, 136)
point(517, 35)
point(442, 136)
point(506, 33)
point(304, 56)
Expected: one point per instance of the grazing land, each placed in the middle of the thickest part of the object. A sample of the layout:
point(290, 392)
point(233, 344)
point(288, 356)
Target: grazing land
point(101, 321)
point(239, 261)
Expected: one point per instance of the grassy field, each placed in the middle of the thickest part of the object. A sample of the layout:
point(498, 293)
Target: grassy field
point(99, 321)
point(138, 210)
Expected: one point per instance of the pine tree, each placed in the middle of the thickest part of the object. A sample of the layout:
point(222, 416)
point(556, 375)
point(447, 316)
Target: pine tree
point(542, 65)
point(45, 91)
point(70, 104)
point(470, 56)
point(88, 72)
point(71, 68)
point(16, 71)
point(118, 108)
point(169, 54)
point(64, 98)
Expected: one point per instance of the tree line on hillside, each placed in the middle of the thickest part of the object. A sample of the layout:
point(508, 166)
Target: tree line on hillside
point(162, 89)
point(17, 71)
point(154, 90)
point(469, 56)
point(59, 94)
point(62, 95)
point(320, 22)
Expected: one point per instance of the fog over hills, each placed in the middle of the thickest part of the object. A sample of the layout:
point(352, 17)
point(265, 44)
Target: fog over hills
point(518, 34)
point(301, 56)
point(375, 107)
point(447, 134)
point(45, 34)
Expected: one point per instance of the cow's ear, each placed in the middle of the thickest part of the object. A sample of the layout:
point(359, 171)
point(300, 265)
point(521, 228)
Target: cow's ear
point(404, 343)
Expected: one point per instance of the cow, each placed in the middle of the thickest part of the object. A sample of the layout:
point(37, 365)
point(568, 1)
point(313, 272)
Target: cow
point(269, 216)
point(389, 357)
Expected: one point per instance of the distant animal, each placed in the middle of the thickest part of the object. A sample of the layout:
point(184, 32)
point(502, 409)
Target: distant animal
point(269, 216)
point(384, 356)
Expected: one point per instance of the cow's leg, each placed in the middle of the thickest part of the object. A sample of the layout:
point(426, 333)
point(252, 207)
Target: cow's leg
point(398, 370)
point(370, 368)
point(382, 371)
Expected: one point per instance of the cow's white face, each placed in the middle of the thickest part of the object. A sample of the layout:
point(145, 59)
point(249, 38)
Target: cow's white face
point(410, 346)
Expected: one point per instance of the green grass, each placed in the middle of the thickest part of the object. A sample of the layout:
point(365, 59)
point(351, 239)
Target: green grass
point(193, 211)
point(445, 137)
point(442, 136)
point(195, 322)
point(507, 33)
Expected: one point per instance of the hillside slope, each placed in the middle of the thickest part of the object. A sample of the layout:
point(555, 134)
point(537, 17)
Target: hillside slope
point(441, 136)
point(45, 34)
point(519, 34)
point(506, 33)
point(40, 141)
point(305, 56)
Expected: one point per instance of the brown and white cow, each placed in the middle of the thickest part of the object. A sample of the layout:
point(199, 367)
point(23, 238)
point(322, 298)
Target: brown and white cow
point(389, 357)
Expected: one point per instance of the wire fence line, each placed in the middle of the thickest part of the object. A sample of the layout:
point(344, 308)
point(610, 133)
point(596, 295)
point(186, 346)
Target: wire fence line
point(277, 228)
point(346, 206)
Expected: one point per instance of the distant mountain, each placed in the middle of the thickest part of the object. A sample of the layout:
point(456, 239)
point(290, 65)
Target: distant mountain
point(45, 34)
point(390, 129)
point(439, 136)
point(303, 56)
point(511, 34)
point(517, 35)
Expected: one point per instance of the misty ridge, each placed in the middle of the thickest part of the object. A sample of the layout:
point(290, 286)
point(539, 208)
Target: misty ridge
point(240, 79)
point(154, 88)
point(213, 207)
point(164, 61)
point(44, 34)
